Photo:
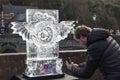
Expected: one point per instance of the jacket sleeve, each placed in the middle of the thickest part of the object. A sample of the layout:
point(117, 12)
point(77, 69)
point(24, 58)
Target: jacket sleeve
point(94, 54)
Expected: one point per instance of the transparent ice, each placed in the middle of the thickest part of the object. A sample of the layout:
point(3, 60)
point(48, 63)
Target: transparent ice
point(42, 33)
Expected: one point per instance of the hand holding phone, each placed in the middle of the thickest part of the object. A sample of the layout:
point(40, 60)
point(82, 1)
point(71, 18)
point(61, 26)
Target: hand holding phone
point(69, 60)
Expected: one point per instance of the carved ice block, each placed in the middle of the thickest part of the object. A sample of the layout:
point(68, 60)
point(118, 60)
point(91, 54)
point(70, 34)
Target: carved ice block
point(42, 32)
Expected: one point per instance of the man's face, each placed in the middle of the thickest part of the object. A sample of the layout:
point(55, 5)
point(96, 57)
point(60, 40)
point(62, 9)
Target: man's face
point(82, 40)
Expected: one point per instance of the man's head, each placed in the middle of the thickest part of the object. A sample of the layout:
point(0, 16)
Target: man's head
point(81, 33)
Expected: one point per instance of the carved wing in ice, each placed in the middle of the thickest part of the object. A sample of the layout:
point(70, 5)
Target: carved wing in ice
point(65, 28)
point(44, 35)
point(21, 29)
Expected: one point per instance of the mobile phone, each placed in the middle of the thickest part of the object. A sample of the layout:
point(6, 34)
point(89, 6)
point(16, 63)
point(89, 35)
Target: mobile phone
point(69, 60)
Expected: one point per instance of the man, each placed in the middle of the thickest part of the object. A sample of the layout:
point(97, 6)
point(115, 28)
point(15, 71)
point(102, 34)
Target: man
point(103, 52)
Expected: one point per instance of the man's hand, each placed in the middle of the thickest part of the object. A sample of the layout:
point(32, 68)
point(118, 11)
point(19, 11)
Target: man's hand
point(69, 66)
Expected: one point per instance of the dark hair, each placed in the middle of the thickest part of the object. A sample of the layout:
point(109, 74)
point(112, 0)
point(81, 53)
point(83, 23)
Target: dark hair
point(82, 30)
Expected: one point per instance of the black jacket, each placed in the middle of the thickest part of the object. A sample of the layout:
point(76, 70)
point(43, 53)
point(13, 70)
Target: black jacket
point(103, 53)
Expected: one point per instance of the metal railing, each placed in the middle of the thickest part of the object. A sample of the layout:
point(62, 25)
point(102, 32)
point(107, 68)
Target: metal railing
point(61, 51)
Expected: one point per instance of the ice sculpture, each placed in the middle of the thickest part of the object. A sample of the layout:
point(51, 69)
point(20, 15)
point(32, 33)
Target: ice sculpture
point(42, 32)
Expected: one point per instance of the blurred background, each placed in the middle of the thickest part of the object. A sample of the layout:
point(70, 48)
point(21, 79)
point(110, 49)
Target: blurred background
point(93, 13)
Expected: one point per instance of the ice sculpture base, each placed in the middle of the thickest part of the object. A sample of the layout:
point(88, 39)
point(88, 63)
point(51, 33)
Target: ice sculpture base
point(44, 77)
point(44, 67)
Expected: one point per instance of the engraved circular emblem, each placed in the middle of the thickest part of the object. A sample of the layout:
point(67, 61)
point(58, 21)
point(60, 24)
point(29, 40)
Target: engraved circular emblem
point(45, 33)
